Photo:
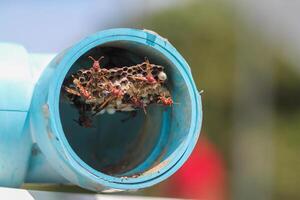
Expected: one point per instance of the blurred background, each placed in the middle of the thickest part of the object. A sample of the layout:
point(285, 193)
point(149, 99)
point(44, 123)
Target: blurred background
point(243, 54)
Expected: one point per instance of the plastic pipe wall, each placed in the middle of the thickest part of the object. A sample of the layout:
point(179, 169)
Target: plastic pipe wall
point(39, 143)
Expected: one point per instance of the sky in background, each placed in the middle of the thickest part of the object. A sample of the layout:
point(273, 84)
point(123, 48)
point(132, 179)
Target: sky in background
point(51, 26)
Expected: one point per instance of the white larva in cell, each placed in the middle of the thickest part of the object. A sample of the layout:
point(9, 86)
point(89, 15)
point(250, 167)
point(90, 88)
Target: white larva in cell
point(110, 111)
point(162, 76)
point(118, 102)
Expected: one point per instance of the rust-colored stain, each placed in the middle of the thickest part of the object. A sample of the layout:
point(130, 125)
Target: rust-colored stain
point(46, 114)
point(45, 109)
point(50, 135)
point(157, 167)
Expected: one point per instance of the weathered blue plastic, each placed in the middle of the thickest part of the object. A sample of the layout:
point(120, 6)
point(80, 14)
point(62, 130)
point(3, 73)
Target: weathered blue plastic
point(40, 143)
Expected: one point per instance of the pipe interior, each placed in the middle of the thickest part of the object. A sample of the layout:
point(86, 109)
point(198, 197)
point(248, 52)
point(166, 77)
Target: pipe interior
point(139, 144)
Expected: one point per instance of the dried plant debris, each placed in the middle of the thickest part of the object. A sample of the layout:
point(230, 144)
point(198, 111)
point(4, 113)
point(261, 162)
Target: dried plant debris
point(121, 89)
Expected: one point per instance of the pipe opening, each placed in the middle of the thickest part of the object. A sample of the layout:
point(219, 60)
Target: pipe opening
point(120, 144)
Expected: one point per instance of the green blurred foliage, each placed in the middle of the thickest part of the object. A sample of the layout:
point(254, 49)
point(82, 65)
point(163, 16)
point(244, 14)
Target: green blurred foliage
point(204, 32)
point(286, 131)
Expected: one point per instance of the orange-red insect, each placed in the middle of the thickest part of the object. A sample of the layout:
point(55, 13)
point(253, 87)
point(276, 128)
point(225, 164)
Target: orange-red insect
point(96, 65)
point(86, 94)
point(138, 103)
point(149, 78)
point(115, 91)
point(166, 101)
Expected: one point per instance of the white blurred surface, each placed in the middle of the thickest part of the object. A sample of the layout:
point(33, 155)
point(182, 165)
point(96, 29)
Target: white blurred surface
point(20, 194)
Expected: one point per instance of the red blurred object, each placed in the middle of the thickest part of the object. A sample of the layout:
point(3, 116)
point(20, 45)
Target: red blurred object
point(203, 176)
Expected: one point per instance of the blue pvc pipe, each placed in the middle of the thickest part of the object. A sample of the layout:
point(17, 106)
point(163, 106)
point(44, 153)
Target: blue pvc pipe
point(39, 142)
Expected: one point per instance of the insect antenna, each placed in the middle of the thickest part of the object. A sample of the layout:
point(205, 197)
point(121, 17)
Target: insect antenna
point(93, 59)
point(148, 66)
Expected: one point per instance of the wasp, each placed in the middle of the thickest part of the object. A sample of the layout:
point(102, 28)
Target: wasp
point(84, 92)
point(72, 91)
point(84, 121)
point(115, 91)
point(149, 78)
point(96, 65)
point(166, 101)
point(138, 103)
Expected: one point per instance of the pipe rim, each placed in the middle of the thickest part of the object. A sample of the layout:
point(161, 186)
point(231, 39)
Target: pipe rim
point(176, 161)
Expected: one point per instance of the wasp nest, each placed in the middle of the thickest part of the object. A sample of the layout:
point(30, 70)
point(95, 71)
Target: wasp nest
point(98, 90)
